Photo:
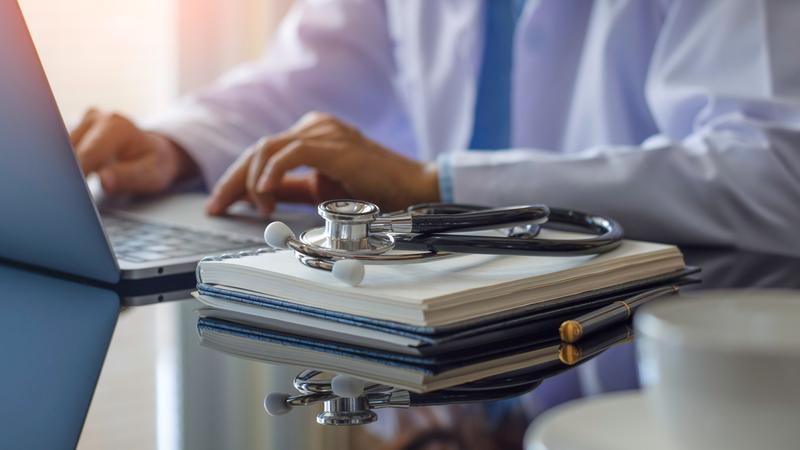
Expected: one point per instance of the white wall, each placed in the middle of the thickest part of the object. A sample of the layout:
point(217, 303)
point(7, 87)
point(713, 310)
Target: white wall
point(138, 56)
point(217, 34)
point(115, 54)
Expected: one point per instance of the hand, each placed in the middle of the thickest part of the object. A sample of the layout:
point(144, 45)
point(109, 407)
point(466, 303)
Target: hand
point(344, 164)
point(127, 159)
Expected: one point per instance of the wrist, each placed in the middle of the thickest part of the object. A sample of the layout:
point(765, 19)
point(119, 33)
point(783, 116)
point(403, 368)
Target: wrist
point(430, 184)
point(184, 167)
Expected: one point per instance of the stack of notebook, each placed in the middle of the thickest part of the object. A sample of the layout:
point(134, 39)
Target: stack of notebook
point(469, 317)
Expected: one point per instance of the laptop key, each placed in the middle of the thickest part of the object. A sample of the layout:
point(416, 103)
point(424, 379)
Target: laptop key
point(160, 248)
point(148, 256)
point(130, 258)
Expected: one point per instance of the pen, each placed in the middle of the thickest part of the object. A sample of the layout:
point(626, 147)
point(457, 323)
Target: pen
point(572, 330)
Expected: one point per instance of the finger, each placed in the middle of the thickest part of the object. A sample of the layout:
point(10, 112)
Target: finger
point(230, 187)
point(325, 188)
point(297, 189)
point(102, 141)
point(264, 203)
point(265, 199)
point(296, 154)
point(310, 188)
point(261, 156)
point(78, 132)
point(139, 176)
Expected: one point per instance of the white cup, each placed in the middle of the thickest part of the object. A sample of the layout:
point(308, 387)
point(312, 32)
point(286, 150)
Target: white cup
point(721, 369)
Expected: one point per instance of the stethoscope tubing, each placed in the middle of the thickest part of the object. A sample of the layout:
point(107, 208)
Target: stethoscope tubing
point(495, 388)
point(609, 239)
point(450, 397)
point(472, 217)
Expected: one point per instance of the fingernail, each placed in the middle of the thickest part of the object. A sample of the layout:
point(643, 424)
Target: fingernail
point(212, 207)
point(108, 180)
point(262, 186)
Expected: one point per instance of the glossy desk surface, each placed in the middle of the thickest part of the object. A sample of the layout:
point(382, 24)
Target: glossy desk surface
point(160, 389)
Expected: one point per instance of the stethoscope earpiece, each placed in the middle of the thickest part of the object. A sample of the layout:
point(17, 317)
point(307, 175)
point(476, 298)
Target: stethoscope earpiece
point(278, 234)
point(347, 386)
point(275, 404)
point(350, 271)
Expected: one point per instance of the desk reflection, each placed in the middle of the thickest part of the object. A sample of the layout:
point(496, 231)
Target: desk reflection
point(54, 336)
point(204, 399)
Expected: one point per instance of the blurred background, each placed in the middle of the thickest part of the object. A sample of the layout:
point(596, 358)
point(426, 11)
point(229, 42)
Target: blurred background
point(138, 56)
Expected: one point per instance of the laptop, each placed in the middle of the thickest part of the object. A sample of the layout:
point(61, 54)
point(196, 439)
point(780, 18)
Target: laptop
point(48, 217)
point(55, 336)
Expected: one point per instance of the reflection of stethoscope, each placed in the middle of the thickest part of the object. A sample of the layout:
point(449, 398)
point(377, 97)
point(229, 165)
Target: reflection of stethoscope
point(355, 233)
point(350, 401)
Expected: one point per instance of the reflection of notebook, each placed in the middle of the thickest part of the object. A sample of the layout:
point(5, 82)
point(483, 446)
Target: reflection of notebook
point(438, 293)
point(417, 374)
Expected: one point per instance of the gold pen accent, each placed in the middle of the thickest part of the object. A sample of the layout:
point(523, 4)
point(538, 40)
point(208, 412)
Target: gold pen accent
point(569, 354)
point(628, 310)
point(572, 354)
point(570, 331)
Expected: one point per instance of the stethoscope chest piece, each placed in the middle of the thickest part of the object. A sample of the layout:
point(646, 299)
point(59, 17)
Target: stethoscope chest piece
point(347, 229)
point(374, 244)
point(346, 411)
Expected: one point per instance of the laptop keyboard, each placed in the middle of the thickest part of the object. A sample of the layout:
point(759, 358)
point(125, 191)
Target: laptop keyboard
point(138, 242)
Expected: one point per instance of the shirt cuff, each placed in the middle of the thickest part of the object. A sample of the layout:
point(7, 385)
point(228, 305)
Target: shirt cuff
point(445, 178)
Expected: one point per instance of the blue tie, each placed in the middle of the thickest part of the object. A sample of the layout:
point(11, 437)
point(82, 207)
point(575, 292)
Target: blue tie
point(492, 129)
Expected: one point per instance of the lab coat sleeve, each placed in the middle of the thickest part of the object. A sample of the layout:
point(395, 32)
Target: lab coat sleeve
point(332, 56)
point(724, 89)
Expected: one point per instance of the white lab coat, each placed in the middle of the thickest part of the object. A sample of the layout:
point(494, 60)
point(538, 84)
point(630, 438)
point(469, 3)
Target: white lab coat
point(681, 118)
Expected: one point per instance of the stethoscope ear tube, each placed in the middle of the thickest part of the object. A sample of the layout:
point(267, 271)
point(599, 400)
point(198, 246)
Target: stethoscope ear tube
point(608, 236)
point(454, 396)
point(479, 219)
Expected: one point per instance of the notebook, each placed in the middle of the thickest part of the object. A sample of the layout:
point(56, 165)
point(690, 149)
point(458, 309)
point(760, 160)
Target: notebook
point(536, 320)
point(537, 358)
point(440, 293)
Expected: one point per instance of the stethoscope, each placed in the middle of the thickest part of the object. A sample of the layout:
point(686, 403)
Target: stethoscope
point(356, 233)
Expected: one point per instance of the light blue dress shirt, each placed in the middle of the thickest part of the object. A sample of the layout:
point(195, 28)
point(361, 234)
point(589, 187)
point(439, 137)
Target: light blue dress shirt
point(679, 118)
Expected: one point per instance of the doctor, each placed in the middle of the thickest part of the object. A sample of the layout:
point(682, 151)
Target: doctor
point(680, 118)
